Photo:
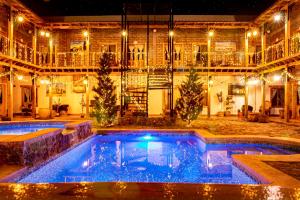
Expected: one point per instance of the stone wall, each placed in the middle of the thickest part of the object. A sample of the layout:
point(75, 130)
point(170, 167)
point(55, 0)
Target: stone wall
point(33, 148)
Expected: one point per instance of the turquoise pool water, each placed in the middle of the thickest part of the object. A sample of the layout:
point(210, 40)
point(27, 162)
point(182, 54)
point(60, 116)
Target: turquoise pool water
point(21, 129)
point(150, 157)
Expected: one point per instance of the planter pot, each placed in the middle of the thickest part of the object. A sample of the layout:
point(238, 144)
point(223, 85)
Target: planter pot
point(220, 114)
point(44, 113)
point(227, 113)
point(240, 115)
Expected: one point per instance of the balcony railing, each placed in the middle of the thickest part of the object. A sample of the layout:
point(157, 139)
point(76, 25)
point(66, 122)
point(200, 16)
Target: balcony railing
point(138, 60)
point(274, 52)
point(23, 52)
point(294, 44)
point(226, 59)
point(4, 45)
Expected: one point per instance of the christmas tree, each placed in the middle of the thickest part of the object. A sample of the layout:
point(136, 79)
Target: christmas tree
point(190, 104)
point(105, 108)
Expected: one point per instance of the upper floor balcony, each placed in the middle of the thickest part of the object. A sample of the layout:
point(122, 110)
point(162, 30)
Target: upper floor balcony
point(182, 59)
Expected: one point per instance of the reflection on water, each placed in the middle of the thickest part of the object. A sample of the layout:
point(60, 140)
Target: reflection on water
point(21, 130)
point(149, 158)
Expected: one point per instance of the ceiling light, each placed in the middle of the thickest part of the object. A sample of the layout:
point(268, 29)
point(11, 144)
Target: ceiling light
point(85, 33)
point(277, 17)
point(211, 33)
point(42, 33)
point(20, 18)
point(276, 77)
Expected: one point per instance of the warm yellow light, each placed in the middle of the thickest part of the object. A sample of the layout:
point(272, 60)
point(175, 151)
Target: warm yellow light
point(254, 33)
point(249, 34)
point(42, 33)
point(47, 34)
point(210, 82)
point(85, 81)
point(85, 33)
point(20, 18)
point(277, 17)
point(253, 82)
point(171, 33)
point(211, 33)
point(20, 77)
point(124, 33)
point(276, 77)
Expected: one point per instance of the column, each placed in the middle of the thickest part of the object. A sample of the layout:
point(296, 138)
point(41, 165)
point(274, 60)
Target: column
point(10, 92)
point(246, 77)
point(50, 96)
point(10, 84)
point(11, 33)
point(294, 92)
point(87, 95)
point(246, 97)
point(33, 95)
point(51, 50)
point(87, 61)
point(263, 44)
point(208, 77)
point(263, 94)
point(34, 42)
point(246, 49)
point(286, 98)
point(286, 31)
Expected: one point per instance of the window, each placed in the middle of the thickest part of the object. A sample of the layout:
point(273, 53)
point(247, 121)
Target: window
point(277, 96)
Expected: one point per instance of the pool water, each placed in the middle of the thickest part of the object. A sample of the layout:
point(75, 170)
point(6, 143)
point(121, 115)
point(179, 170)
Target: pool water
point(24, 129)
point(149, 158)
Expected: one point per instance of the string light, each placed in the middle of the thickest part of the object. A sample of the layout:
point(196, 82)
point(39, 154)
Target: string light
point(47, 34)
point(171, 33)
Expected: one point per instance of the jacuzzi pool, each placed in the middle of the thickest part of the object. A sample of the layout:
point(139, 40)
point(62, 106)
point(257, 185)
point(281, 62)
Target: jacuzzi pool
point(24, 128)
point(149, 157)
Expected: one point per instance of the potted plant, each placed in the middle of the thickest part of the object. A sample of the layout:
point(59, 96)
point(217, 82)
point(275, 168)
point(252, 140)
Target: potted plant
point(82, 103)
point(228, 105)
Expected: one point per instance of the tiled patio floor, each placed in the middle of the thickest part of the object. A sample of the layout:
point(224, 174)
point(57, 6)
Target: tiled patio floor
point(225, 126)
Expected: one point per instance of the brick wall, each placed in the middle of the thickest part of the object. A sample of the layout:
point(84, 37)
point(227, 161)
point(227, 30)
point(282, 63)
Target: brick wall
point(158, 38)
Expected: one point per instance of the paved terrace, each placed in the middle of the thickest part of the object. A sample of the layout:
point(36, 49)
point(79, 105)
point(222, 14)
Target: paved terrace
point(221, 126)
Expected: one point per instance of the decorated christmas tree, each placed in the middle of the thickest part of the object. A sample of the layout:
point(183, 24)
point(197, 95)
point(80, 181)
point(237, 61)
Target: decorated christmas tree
point(105, 108)
point(190, 104)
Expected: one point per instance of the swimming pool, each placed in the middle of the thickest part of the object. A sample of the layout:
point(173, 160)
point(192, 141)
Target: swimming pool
point(150, 157)
point(24, 128)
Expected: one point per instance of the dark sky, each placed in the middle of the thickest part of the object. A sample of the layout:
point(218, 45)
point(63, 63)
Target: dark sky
point(114, 7)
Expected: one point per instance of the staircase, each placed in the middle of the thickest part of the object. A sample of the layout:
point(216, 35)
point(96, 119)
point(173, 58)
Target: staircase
point(136, 101)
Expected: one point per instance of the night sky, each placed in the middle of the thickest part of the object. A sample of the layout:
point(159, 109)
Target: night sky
point(113, 7)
